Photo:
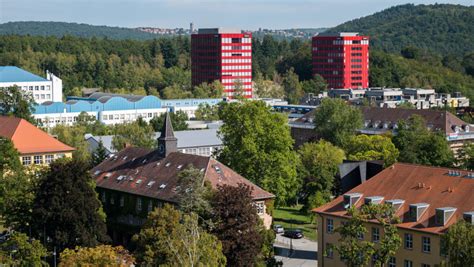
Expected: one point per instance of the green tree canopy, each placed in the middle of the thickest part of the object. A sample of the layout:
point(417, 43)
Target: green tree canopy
point(77, 219)
point(291, 84)
point(458, 244)
point(373, 147)
point(170, 237)
point(206, 112)
point(9, 157)
point(418, 145)
point(102, 255)
point(465, 157)
point(320, 163)
point(258, 145)
point(19, 250)
point(336, 121)
point(99, 155)
point(237, 225)
point(178, 119)
point(13, 102)
point(133, 134)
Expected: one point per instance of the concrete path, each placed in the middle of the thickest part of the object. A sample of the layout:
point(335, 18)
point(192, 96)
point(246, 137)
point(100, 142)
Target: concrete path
point(296, 252)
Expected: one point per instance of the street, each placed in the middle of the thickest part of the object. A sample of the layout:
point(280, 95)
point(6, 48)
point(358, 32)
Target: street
point(303, 253)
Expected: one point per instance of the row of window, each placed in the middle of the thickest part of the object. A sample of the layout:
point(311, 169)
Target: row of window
point(237, 47)
point(138, 203)
point(42, 96)
point(244, 80)
point(349, 42)
point(37, 87)
point(243, 86)
point(236, 40)
point(243, 54)
point(237, 74)
point(325, 54)
point(375, 233)
point(328, 60)
point(40, 159)
point(241, 67)
point(237, 60)
point(129, 116)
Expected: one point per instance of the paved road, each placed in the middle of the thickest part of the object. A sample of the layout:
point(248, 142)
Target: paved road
point(304, 252)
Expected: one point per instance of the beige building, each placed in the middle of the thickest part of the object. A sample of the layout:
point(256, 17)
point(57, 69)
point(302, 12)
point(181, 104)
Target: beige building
point(427, 200)
point(35, 146)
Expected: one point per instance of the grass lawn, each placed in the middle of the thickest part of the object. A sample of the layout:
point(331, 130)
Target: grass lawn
point(291, 217)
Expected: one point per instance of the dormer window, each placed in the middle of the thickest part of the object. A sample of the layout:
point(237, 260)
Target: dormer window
point(107, 175)
point(417, 210)
point(373, 200)
point(351, 199)
point(469, 217)
point(444, 214)
point(395, 203)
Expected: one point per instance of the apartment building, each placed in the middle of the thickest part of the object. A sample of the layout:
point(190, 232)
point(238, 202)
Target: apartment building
point(428, 200)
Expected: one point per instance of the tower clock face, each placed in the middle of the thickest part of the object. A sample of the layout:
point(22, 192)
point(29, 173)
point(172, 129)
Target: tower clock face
point(161, 148)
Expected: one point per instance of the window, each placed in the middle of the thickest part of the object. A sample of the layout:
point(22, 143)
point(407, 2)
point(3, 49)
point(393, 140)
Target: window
point(48, 159)
point(38, 159)
point(59, 156)
point(425, 265)
point(329, 226)
point(375, 234)
point(112, 200)
point(360, 236)
point(329, 251)
point(36, 88)
point(426, 244)
point(408, 263)
point(139, 204)
point(260, 207)
point(408, 241)
point(122, 201)
point(26, 160)
point(392, 262)
point(42, 87)
point(103, 197)
point(150, 205)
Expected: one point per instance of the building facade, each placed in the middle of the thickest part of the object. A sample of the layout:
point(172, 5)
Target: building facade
point(134, 181)
point(35, 146)
point(428, 200)
point(224, 55)
point(41, 89)
point(342, 59)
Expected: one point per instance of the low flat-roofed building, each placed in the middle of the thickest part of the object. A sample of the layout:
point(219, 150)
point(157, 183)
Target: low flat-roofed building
point(35, 146)
point(428, 200)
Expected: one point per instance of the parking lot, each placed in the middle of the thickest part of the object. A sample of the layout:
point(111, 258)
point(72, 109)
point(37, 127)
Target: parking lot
point(296, 252)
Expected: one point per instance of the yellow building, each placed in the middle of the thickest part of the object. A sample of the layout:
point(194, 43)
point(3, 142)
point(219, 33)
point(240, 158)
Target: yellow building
point(426, 199)
point(35, 146)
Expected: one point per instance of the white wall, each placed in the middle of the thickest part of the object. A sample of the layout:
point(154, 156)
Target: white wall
point(121, 116)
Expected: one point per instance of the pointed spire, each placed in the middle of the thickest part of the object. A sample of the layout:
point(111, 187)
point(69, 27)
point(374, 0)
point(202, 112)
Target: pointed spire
point(167, 142)
point(167, 129)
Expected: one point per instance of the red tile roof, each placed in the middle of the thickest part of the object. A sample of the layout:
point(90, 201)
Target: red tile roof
point(28, 139)
point(159, 176)
point(415, 184)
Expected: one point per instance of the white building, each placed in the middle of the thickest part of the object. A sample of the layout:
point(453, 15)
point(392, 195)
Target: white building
point(42, 89)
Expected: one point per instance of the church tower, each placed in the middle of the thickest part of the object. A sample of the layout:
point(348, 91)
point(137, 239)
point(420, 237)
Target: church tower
point(167, 143)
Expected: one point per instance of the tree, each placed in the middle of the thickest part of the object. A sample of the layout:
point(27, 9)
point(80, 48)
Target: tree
point(315, 85)
point(320, 163)
point(20, 250)
point(257, 144)
point(178, 119)
point(206, 112)
point(206, 90)
point(14, 102)
point(170, 237)
point(74, 136)
point(292, 87)
point(102, 255)
point(193, 192)
point(133, 134)
point(99, 155)
point(9, 157)
point(419, 145)
point(357, 252)
point(268, 88)
point(374, 147)
point(458, 244)
point(465, 157)
point(237, 225)
point(336, 121)
point(63, 193)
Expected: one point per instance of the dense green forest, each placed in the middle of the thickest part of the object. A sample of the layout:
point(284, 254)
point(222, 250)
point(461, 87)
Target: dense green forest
point(60, 29)
point(439, 28)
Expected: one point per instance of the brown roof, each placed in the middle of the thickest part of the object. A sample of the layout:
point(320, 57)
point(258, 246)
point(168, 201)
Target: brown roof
point(436, 119)
point(143, 172)
point(28, 139)
point(415, 184)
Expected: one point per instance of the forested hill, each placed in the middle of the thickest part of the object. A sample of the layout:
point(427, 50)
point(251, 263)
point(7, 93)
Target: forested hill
point(440, 28)
point(59, 29)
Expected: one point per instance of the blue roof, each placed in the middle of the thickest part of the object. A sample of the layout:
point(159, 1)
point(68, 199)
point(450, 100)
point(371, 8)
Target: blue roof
point(10, 74)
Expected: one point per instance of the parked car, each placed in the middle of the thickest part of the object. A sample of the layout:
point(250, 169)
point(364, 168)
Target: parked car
point(294, 233)
point(278, 229)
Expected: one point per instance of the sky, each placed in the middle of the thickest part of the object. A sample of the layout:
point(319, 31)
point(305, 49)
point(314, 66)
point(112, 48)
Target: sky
point(244, 14)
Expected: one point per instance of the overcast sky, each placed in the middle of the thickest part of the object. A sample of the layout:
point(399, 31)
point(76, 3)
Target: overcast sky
point(245, 14)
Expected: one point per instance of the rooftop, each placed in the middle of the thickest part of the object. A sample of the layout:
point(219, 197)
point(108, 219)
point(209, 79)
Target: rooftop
point(218, 30)
point(415, 184)
point(337, 34)
point(9, 74)
point(28, 139)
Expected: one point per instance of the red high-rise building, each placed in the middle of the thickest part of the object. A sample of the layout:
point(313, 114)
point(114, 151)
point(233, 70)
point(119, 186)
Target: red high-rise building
point(342, 59)
point(224, 55)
